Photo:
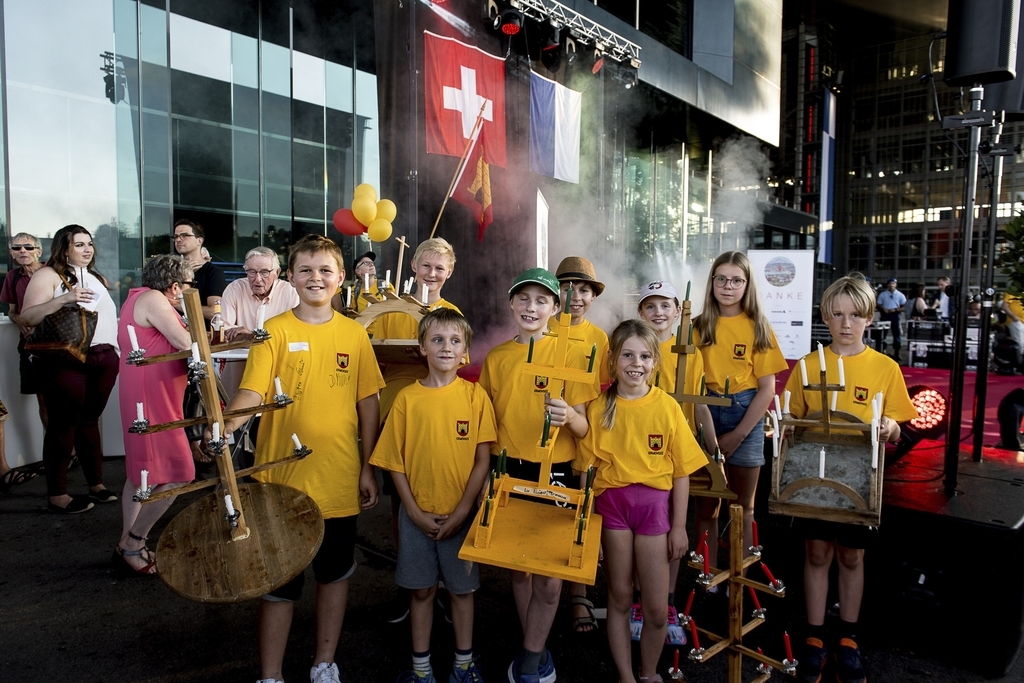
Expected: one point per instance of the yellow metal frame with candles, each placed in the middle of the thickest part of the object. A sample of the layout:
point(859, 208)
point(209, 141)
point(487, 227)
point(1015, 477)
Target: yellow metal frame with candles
point(851, 439)
point(713, 484)
point(211, 552)
point(525, 532)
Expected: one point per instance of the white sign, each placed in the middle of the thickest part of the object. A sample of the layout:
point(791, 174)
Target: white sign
point(542, 231)
point(785, 283)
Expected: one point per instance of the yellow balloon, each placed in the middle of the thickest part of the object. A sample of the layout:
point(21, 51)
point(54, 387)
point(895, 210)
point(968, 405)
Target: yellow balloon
point(379, 230)
point(364, 209)
point(387, 210)
point(365, 188)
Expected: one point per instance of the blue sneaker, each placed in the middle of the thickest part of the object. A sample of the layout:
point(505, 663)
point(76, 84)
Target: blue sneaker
point(468, 674)
point(849, 666)
point(545, 674)
point(411, 676)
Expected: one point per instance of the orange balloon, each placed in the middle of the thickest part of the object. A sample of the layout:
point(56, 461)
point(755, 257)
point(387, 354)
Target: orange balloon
point(387, 210)
point(379, 230)
point(365, 209)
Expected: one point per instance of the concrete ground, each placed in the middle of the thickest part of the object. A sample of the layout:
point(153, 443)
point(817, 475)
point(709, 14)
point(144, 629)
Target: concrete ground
point(64, 615)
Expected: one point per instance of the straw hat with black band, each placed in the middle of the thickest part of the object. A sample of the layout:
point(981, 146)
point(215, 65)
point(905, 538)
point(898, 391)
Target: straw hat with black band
point(579, 269)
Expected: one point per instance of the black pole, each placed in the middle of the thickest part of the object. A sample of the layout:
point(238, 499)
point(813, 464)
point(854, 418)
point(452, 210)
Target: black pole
point(987, 294)
point(954, 416)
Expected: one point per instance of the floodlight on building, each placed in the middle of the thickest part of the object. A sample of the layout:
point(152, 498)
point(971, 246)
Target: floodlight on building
point(511, 21)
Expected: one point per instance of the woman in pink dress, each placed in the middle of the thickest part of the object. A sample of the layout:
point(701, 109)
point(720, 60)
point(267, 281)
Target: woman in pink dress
point(150, 312)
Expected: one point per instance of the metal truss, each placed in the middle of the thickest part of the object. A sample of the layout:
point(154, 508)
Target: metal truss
point(584, 30)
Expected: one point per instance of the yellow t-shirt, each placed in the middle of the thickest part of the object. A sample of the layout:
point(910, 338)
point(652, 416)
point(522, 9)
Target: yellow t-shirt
point(733, 356)
point(694, 372)
point(326, 369)
point(867, 373)
point(519, 398)
point(1015, 305)
point(400, 375)
point(648, 444)
point(431, 436)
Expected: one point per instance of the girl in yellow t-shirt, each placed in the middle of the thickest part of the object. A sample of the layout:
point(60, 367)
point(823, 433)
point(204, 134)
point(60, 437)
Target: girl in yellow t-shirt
point(741, 357)
point(644, 452)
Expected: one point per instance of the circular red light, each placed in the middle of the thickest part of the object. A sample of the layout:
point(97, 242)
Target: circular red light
point(510, 29)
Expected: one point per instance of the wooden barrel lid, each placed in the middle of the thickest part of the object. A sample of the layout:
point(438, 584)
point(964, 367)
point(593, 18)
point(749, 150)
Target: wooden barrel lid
point(198, 560)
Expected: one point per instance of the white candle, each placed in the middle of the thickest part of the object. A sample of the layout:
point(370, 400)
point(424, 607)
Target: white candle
point(407, 287)
point(295, 440)
point(874, 444)
point(261, 317)
point(228, 504)
point(835, 397)
point(145, 479)
point(387, 277)
point(878, 400)
point(134, 339)
point(195, 351)
point(366, 282)
point(348, 301)
point(821, 464)
point(277, 386)
point(775, 434)
point(778, 409)
point(423, 294)
point(138, 412)
point(803, 372)
point(216, 431)
point(785, 402)
point(842, 372)
point(874, 408)
point(821, 356)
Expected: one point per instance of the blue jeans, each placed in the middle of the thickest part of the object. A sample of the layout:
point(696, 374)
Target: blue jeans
point(750, 452)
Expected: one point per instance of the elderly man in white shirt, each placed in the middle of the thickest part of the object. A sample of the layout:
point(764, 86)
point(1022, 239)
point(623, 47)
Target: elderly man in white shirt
point(240, 304)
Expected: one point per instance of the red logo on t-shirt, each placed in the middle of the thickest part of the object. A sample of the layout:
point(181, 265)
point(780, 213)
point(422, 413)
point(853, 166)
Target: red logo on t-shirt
point(860, 393)
point(343, 361)
point(655, 441)
point(540, 382)
point(739, 350)
point(462, 427)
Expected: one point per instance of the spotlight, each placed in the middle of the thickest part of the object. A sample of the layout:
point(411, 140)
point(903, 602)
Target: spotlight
point(930, 422)
point(553, 41)
point(598, 62)
point(1011, 410)
point(511, 21)
point(570, 50)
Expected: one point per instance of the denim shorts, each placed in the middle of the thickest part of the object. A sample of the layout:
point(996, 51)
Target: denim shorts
point(750, 452)
point(422, 561)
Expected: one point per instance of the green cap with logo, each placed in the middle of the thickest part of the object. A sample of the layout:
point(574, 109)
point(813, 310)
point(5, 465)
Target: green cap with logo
point(535, 276)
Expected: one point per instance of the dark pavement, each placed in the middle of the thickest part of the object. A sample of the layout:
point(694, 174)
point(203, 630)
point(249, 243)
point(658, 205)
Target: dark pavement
point(65, 616)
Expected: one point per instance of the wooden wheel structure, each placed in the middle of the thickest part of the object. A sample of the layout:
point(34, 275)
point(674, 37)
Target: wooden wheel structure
point(241, 541)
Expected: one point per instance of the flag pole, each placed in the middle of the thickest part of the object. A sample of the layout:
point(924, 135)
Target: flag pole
point(460, 169)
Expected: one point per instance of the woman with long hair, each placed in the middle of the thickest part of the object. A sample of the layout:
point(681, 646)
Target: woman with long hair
point(75, 393)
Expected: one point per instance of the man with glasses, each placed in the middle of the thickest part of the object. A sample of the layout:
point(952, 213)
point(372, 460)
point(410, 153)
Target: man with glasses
point(26, 251)
point(242, 299)
point(188, 241)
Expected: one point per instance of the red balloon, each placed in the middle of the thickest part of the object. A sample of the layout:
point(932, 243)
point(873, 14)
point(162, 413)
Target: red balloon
point(347, 224)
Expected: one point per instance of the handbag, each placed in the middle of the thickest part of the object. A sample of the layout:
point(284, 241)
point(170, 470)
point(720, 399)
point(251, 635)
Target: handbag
point(64, 334)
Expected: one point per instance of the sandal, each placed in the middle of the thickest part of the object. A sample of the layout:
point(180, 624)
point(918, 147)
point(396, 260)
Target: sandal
point(118, 559)
point(587, 624)
point(15, 478)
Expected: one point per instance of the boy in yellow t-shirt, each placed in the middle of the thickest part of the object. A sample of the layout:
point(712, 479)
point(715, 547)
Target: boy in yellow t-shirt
point(847, 307)
point(322, 359)
point(520, 401)
point(579, 274)
point(437, 443)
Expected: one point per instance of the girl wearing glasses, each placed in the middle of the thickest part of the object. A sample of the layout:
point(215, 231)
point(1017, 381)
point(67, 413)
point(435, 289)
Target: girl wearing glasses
point(741, 357)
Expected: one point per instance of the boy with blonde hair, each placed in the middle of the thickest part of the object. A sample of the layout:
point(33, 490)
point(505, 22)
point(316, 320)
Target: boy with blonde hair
point(437, 443)
point(847, 307)
point(322, 359)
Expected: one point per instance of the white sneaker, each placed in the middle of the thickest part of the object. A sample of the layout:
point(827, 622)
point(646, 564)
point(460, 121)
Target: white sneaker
point(268, 680)
point(324, 673)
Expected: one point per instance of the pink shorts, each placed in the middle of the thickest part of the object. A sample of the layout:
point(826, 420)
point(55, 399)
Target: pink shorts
point(637, 508)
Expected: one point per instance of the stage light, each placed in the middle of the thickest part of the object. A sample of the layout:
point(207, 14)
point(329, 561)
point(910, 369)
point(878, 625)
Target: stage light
point(570, 49)
point(598, 62)
point(930, 422)
point(553, 41)
point(511, 21)
point(1011, 410)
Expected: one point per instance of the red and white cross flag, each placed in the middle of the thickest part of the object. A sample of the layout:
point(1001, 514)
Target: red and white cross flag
point(458, 81)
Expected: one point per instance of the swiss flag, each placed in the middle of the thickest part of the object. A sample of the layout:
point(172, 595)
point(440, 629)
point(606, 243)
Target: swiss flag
point(458, 80)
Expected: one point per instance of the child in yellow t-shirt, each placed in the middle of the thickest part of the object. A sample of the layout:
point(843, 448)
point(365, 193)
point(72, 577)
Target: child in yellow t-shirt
point(437, 443)
point(741, 357)
point(847, 307)
point(659, 306)
point(322, 359)
point(644, 453)
point(520, 402)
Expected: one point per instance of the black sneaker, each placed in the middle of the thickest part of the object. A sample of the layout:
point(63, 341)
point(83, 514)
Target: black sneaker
point(849, 667)
point(102, 496)
point(397, 610)
point(811, 665)
point(78, 504)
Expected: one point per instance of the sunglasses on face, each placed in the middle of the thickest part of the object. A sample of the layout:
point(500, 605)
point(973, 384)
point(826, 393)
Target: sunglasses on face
point(25, 247)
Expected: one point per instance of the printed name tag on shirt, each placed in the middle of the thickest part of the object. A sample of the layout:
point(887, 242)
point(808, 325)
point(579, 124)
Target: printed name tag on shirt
point(298, 346)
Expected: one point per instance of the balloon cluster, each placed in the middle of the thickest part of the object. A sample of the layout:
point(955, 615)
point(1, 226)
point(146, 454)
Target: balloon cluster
point(367, 215)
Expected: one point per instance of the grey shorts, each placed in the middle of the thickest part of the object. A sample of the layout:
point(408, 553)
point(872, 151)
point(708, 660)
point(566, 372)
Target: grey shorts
point(422, 561)
point(750, 452)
